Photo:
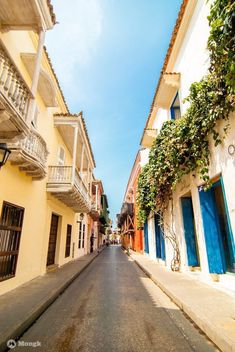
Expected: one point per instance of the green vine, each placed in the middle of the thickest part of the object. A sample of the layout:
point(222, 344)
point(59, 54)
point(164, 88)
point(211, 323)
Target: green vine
point(182, 145)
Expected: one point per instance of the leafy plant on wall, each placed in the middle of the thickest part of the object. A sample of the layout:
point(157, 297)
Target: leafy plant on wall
point(182, 146)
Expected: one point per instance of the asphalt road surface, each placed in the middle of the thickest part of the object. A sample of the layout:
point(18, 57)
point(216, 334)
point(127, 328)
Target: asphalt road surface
point(114, 307)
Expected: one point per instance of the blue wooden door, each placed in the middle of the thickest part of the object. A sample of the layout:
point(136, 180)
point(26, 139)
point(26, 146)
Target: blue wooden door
point(146, 239)
point(189, 231)
point(157, 236)
point(160, 242)
point(216, 260)
point(231, 244)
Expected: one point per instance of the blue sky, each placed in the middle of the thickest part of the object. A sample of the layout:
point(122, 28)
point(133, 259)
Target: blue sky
point(108, 55)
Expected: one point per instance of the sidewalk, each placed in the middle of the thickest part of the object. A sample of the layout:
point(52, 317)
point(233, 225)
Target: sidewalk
point(21, 307)
point(212, 310)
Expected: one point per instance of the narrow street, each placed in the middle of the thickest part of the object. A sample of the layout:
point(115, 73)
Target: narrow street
point(113, 306)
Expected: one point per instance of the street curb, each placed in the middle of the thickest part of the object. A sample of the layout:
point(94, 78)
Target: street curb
point(209, 330)
point(40, 309)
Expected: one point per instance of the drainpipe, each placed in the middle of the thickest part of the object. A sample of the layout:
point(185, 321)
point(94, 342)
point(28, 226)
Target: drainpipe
point(32, 103)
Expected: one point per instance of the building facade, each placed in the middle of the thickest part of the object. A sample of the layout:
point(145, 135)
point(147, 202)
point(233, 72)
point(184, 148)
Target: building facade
point(132, 235)
point(200, 223)
point(47, 181)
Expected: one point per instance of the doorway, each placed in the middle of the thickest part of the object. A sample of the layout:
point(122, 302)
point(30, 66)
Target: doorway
point(217, 229)
point(159, 235)
point(52, 240)
point(146, 239)
point(190, 231)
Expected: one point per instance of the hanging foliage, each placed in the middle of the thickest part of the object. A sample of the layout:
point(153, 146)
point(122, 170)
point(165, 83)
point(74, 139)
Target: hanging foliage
point(182, 145)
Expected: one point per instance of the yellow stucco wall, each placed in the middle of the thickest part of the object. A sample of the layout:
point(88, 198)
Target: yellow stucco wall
point(21, 190)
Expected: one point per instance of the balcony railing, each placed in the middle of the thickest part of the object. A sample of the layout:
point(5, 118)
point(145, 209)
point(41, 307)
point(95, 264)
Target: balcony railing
point(69, 188)
point(30, 154)
point(14, 97)
point(95, 212)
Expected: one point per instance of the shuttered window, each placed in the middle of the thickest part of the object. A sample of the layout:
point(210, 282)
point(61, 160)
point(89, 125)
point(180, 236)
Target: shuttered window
point(80, 235)
point(10, 232)
point(68, 240)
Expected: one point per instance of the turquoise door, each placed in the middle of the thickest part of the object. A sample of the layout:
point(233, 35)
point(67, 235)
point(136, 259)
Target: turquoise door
point(189, 231)
point(146, 239)
point(217, 229)
point(160, 242)
point(216, 260)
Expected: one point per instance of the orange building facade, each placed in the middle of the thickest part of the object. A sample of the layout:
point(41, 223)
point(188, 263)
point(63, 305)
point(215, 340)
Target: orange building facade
point(132, 237)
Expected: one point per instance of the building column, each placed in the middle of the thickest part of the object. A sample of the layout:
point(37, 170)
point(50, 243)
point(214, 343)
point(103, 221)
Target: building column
point(96, 197)
point(35, 79)
point(89, 179)
point(82, 161)
point(75, 142)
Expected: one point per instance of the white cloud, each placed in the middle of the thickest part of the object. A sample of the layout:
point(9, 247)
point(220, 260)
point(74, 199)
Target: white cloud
point(73, 41)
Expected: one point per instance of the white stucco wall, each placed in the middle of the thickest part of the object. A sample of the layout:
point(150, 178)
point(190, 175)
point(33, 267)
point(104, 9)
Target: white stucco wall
point(193, 59)
point(144, 157)
point(162, 115)
point(152, 238)
point(192, 63)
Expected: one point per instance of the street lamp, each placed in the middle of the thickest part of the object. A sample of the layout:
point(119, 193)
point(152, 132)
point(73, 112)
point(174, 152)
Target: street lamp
point(4, 154)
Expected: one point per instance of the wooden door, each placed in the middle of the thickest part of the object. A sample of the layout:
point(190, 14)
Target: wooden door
point(189, 231)
point(160, 241)
point(52, 240)
point(212, 232)
point(68, 241)
point(146, 239)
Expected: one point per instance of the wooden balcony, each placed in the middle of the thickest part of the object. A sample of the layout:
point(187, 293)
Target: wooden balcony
point(69, 188)
point(14, 100)
point(26, 15)
point(30, 154)
point(94, 213)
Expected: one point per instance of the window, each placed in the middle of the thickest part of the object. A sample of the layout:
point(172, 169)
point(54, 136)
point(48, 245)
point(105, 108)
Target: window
point(175, 108)
point(80, 235)
point(61, 156)
point(68, 241)
point(83, 235)
point(10, 233)
point(35, 117)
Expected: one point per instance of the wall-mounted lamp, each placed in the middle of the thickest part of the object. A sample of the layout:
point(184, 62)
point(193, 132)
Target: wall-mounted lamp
point(4, 154)
point(81, 217)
